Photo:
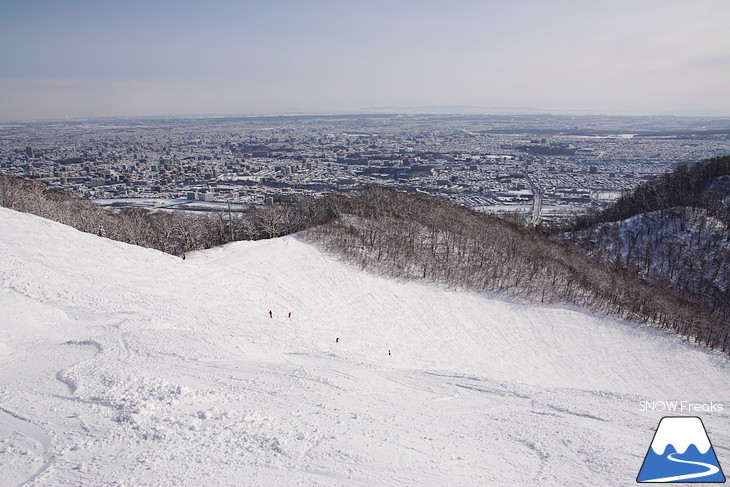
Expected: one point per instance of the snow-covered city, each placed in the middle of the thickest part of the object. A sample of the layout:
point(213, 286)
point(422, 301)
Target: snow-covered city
point(383, 243)
point(490, 163)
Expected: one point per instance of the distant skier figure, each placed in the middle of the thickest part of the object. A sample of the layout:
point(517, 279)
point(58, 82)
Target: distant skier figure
point(183, 256)
point(271, 315)
point(101, 231)
point(289, 314)
point(388, 351)
point(337, 340)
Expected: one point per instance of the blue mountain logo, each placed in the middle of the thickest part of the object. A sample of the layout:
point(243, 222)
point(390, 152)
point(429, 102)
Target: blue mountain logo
point(681, 452)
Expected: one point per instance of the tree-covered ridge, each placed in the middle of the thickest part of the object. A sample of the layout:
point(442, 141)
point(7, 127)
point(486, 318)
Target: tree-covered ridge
point(422, 237)
point(173, 232)
point(401, 235)
point(704, 184)
point(673, 231)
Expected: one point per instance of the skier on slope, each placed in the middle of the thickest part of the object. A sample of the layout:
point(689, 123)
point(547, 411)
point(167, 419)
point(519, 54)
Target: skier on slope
point(271, 315)
point(101, 231)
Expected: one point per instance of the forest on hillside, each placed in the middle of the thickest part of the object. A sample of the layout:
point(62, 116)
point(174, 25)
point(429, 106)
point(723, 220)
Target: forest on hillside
point(405, 236)
point(173, 232)
point(423, 237)
point(701, 185)
point(673, 231)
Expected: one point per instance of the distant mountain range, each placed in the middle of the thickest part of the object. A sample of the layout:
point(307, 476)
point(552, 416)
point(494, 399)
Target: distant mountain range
point(520, 110)
point(457, 110)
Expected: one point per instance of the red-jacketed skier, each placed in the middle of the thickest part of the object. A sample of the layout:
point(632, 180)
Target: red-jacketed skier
point(271, 315)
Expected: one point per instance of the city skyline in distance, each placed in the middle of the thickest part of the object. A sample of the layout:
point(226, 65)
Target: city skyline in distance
point(86, 59)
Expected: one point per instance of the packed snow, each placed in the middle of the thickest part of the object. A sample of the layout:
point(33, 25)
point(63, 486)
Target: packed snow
point(126, 366)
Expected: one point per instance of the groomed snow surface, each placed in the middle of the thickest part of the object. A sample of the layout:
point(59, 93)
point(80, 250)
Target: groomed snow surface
point(124, 366)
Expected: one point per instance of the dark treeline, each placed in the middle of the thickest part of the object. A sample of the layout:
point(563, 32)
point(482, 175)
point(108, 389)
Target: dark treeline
point(174, 232)
point(428, 238)
point(700, 185)
point(681, 248)
point(673, 231)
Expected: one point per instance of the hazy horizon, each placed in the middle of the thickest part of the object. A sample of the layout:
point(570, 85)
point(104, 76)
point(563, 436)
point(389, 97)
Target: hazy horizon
point(86, 59)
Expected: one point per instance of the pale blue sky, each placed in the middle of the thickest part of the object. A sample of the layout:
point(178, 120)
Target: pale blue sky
point(105, 58)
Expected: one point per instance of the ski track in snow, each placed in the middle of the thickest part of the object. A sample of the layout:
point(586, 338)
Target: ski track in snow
point(24, 448)
point(125, 366)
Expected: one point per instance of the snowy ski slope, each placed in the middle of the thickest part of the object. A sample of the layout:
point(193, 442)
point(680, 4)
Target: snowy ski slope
point(124, 366)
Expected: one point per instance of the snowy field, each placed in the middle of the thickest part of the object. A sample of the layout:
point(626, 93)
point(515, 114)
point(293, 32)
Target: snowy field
point(126, 366)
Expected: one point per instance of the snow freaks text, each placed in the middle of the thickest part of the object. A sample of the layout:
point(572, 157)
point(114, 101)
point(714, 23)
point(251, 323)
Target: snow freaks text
point(681, 406)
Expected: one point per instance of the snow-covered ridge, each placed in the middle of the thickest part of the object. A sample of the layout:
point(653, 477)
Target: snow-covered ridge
point(144, 369)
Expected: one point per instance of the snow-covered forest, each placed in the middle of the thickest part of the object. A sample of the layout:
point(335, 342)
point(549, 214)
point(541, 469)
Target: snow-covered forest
point(673, 231)
point(173, 232)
